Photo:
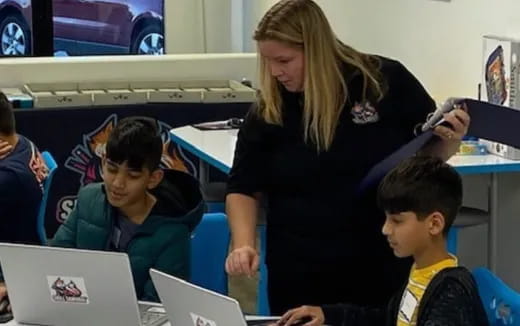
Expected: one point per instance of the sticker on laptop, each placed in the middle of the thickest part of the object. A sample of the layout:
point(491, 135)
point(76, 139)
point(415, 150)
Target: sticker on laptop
point(201, 321)
point(67, 289)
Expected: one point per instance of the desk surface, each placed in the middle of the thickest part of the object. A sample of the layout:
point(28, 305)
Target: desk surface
point(248, 318)
point(217, 148)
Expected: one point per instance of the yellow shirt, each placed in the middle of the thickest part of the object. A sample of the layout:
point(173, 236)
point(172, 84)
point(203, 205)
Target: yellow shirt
point(417, 284)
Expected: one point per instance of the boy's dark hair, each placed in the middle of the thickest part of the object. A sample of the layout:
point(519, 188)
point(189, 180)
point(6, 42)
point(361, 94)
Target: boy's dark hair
point(7, 123)
point(137, 141)
point(422, 185)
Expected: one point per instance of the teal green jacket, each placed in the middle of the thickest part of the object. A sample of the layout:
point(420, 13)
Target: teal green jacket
point(161, 242)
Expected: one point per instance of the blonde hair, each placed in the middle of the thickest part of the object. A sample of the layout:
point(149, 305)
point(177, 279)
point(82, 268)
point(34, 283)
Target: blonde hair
point(302, 24)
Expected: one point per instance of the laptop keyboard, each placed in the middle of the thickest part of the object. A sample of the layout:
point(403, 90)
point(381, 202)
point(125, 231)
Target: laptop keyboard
point(150, 316)
point(260, 323)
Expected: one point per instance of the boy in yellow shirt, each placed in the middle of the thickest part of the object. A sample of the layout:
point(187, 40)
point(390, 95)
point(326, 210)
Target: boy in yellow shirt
point(421, 198)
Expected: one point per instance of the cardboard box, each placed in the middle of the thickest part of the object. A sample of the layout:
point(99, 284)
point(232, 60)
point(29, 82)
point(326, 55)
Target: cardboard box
point(113, 93)
point(167, 92)
point(500, 83)
point(57, 95)
point(123, 93)
point(19, 98)
point(197, 91)
point(229, 92)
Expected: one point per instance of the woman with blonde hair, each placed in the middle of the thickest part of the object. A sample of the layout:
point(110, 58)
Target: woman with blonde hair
point(326, 114)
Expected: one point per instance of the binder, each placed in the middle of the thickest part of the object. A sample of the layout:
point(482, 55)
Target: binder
point(488, 121)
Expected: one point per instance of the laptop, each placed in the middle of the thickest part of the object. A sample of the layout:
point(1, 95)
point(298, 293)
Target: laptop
point(58, 286)
point(190, 305)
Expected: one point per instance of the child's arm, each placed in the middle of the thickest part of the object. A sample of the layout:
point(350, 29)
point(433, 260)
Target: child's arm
point(453, 305)
point(174, 259)
point(334, 315)
point(89, 197)
point(353, 315)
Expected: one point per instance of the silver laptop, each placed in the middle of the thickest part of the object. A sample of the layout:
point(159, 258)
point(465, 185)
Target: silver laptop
point(188, 304)
point(57, 286)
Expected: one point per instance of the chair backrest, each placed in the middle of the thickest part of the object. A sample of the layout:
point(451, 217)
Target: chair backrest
point(52, 166)
point(502, 304)
point(452, 240)
point(209, 249)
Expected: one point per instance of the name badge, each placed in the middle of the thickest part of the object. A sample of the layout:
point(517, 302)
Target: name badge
point(408, 305)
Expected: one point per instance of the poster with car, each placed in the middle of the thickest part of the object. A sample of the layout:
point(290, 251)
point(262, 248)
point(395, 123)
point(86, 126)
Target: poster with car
point(15, 27)
point(87, 27)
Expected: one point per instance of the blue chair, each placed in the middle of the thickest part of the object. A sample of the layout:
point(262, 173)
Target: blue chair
point(452, 240)
point(262, 301)
point(215, 207)
point(209, 249)
point(502, 304)
point(214, 194)
point(52, 166)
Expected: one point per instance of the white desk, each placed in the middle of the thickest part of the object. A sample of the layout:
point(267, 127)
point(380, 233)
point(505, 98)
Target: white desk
point(212, 147)
point(217, 148)
point(248, 318)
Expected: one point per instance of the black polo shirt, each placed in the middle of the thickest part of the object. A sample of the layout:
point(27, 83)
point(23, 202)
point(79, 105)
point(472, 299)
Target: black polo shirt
point(315, 218)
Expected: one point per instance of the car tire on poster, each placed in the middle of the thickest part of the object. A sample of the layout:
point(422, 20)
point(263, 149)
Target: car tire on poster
point(15, 35)
point(149, 40)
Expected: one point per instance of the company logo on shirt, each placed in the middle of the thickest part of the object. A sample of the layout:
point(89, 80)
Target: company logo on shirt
point(86, 157)
point(364, 113)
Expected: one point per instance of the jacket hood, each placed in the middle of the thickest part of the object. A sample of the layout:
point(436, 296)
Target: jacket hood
point(179, 199)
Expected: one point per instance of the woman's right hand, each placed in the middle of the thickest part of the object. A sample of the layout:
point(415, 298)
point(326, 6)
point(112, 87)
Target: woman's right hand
point(242, 261)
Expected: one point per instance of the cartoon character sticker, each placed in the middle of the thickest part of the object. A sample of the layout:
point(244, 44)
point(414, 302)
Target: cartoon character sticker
point(364, 113)
point(496, 84)
point(67, 289)
point(201, 321)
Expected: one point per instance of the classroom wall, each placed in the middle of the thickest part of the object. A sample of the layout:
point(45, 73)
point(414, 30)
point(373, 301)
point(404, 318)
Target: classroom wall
point(218, 23)
point(184, 30)
point(199, 26)
point(439, 41)
point(253, 12)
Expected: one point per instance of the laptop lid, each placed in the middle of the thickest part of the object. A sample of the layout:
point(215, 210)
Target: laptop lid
point(57, 286)
point(190, 305)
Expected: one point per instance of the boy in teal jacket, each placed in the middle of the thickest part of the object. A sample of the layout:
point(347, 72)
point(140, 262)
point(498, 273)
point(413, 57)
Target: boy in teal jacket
point(139, 209)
